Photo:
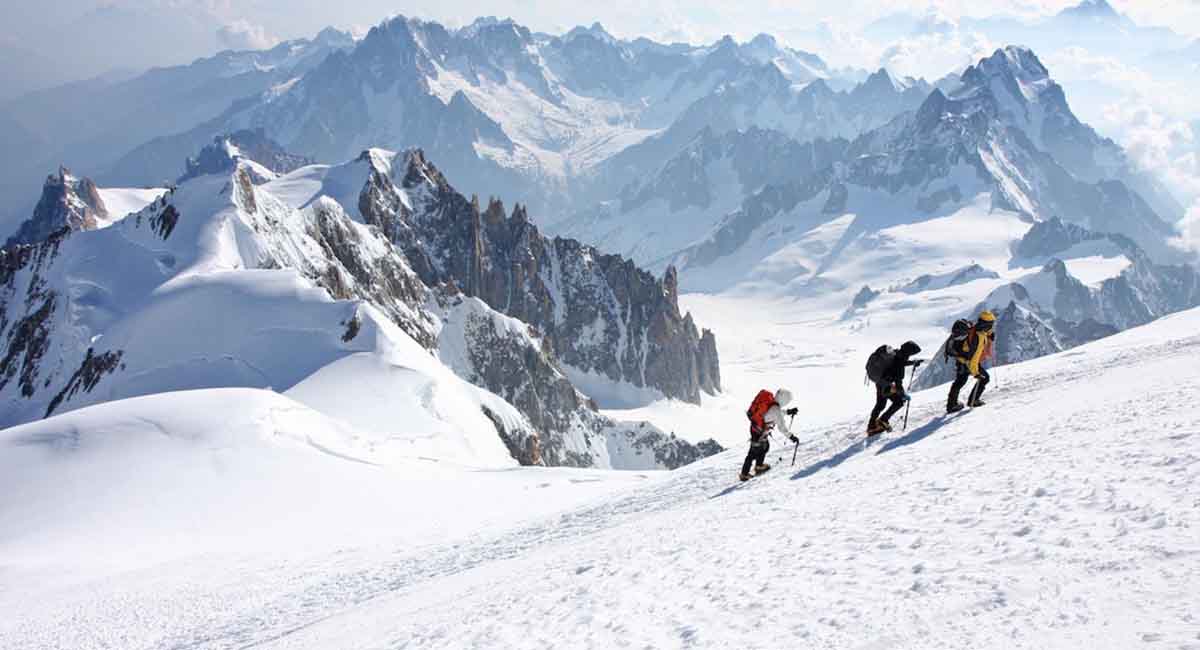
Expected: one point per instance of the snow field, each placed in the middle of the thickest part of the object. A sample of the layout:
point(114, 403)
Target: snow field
point(1063, 514)
point(1038, 521)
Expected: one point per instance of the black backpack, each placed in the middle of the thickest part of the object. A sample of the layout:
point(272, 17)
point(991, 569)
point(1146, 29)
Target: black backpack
point(879, 361)
point(959, 332)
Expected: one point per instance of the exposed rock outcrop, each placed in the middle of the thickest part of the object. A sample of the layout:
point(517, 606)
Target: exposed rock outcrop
point(600, 314)
point(66, 202)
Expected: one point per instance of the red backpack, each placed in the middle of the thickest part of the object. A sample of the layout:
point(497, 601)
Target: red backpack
point(758, 410)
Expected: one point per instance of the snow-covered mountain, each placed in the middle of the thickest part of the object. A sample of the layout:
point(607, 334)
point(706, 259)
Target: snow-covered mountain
point(221, 283)
point(955, 151)
point(507, 110)
point(269, 159)
point(93, 125)
point(1025, 96)
point(617, 329)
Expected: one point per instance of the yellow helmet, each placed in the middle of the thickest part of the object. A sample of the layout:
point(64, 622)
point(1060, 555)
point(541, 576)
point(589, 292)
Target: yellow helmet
point(987, 316)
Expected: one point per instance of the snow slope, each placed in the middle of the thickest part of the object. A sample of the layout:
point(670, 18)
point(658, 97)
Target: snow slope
point(1042, 521)
point(121, 201)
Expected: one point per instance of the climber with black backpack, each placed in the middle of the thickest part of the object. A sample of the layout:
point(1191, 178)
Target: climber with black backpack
point(766, 415)
point(886, 368)
point(970, 345)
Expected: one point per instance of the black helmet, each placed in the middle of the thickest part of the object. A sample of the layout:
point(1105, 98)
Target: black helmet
point(910, 348)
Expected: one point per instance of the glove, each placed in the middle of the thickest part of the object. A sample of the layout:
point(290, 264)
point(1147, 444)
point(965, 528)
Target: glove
point(792, 411)
point(794, 439)
point(907, 397)
point(917, 363)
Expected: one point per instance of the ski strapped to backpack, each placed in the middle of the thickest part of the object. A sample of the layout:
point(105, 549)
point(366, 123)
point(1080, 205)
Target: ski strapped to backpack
point(757, 412)
point(879, 361)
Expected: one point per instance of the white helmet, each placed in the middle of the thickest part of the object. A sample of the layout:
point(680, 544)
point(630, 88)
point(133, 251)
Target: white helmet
point(783, 397)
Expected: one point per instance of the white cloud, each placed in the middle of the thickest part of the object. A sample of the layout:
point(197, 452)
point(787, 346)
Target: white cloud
point(937, 53)
point(242, 35)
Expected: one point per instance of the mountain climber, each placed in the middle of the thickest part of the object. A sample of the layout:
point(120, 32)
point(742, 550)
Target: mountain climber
point(888, 367)
point(766, 415)
point(969, 350)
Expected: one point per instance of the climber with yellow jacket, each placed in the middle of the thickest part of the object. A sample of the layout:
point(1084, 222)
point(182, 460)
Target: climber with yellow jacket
point(970, 345)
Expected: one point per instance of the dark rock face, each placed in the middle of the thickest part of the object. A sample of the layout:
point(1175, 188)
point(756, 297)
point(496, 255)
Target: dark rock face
point(93, 368)
point(66, 202)
point(599, 313)
point(29, 307)
point(861, 299)
point(221, 156)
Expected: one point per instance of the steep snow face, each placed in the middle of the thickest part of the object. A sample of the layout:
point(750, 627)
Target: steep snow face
point(685, 199)
point(1046, 523)
point(1019, 89)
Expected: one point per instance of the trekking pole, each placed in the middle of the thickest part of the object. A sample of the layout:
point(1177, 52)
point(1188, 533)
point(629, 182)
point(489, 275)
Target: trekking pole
point(908, 397)
point(797, 448)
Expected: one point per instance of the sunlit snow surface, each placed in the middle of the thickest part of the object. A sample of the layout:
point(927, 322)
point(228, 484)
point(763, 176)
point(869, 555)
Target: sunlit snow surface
point(123, 201)
point(229, 519)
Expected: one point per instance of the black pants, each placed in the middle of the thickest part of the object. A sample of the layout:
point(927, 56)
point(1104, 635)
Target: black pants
point(757, 454)
point(961, 375)
point(881, 399)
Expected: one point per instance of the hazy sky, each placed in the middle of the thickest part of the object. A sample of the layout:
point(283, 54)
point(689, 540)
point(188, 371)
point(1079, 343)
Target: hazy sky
point(240, 23)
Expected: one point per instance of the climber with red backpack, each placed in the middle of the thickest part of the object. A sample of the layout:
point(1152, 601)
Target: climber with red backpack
point(766, 415)
point(970, 345)
point(886, 368)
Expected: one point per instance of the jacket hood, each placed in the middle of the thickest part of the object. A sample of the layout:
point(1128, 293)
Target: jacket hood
point(783, 397)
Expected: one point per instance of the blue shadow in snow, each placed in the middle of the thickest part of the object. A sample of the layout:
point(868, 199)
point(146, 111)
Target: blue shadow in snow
point(920, 433)
point(856, 447)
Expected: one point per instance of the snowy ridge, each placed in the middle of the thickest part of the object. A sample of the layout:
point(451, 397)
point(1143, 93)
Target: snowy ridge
point(266, 280)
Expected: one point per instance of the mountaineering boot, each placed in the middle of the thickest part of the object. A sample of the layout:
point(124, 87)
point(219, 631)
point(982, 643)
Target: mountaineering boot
point(886, 426)
point(761, 469)
point(976, 403)
point(875, 428)
point(744, 477)
point(954, 408)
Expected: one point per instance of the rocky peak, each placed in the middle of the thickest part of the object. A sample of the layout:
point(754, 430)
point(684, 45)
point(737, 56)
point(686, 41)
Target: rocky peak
point(599, 313)
point(595, 32)
point(1012, 61)
point(226, 151)
point(66, 202)
point(881, 81)
point(1093, 10)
